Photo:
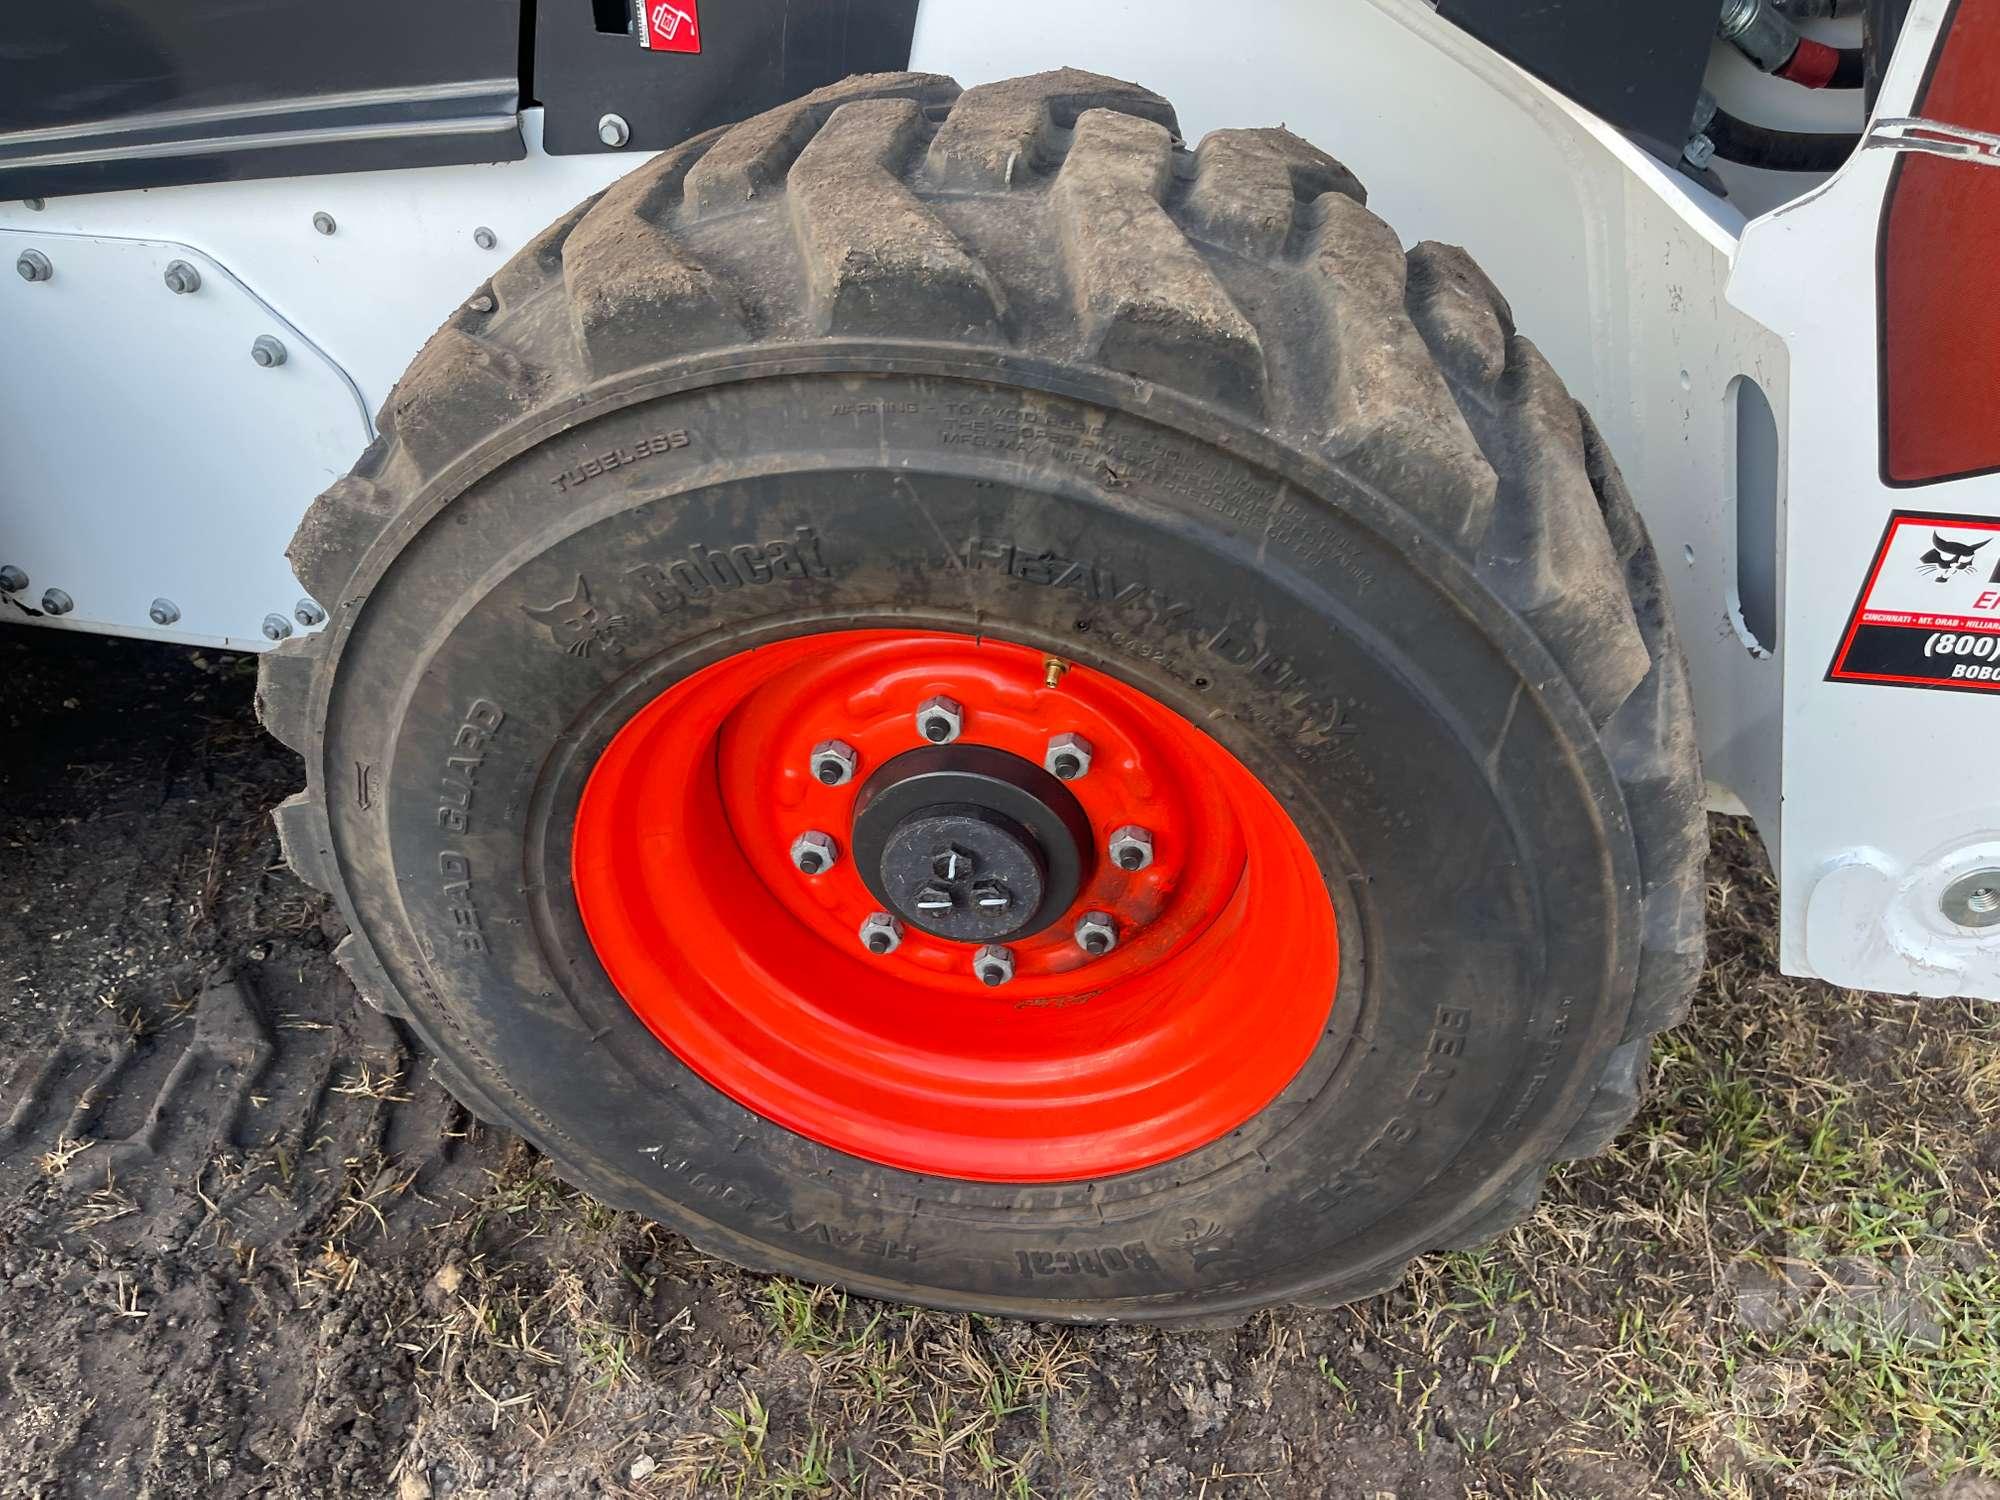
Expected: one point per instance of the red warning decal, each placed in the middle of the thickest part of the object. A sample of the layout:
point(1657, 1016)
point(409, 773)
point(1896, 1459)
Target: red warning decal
point(1929, 614)
point(668, 25)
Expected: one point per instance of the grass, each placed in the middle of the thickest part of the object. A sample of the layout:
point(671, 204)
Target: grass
point(934, 1399)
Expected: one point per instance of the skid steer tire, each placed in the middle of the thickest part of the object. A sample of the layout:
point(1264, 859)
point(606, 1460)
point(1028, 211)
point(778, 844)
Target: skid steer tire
point(1012, 365)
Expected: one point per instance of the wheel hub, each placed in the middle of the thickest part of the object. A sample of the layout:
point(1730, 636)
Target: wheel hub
point(1075, 938)
point(971, 843)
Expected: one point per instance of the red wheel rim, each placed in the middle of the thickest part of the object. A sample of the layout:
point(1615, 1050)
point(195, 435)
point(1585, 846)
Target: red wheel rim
point(755, 976)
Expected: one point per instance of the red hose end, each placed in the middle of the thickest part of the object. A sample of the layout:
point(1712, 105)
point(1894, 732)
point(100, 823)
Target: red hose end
point(1812, 65)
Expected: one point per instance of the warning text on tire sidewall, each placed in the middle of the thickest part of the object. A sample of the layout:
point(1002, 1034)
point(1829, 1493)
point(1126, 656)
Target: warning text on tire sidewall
point(1928, 614)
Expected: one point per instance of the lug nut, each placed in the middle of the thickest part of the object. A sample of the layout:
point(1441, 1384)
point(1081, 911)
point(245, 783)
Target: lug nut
point(933, 898)
point(993, 964)
point(1067, 757)
point(276, 627)
point(1096, 933)
point(991, 895)
point(34, 266)
point(163, 612)
point(267, 351)
point(1131, 847)
point(833, 762)
point(940, 720)
point(56, 602)
point(952, 862)
point(308, 613)
point(613, 131)
point(12, 579)
point(881, 933)
point(814, 853)
point(182, 278)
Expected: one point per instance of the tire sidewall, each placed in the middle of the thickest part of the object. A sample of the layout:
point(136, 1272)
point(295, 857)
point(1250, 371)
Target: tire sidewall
point(1436, 763)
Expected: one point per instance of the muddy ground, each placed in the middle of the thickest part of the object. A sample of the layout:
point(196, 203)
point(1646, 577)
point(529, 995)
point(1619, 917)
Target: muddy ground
point(248, 1246)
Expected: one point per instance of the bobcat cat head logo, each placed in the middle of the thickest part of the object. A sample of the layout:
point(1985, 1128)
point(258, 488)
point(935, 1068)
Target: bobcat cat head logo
point(577, 625)
point(1947, 559)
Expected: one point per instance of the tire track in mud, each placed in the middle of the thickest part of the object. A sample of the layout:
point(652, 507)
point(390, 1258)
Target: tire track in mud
point(214, 1162)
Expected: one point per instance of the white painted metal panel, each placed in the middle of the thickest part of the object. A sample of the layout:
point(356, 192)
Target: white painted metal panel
point(146, 455)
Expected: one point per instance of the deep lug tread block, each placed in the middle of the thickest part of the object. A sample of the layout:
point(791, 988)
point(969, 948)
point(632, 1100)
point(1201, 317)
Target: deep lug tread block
point(1512, 1207)
point(1549, 555)
point(753, 158)
point(284, 692)
point(306, 842)
point(1248, 185)
point(540, 261)
point(1615, 1101)
point(1460, 313)
point(364, 971)
point(627, 276)
point(1148, 303)
point(877, 261)
point(1001, 134)
point(459, 385)
point(1391, 417)
point(1652, 745)
point(338, 528)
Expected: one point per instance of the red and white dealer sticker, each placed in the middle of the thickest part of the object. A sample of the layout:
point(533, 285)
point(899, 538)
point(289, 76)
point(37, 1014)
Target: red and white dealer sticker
point(668, 25)
point(1929, 614)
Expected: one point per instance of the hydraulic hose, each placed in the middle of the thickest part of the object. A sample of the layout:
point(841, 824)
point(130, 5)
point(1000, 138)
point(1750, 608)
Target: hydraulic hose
point(1778, 150)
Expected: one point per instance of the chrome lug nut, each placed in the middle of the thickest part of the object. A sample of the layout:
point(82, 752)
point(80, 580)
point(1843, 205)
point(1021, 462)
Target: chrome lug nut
point(1096, 933)
point(814, 853)
point(1131, 847)
point(1067, 757)
point(993, 964)
point(881, 933)
point(940, 720)
point(833, 762)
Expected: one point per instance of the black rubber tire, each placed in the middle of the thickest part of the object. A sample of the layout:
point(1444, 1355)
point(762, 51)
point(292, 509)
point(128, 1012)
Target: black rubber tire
point(1013, 361)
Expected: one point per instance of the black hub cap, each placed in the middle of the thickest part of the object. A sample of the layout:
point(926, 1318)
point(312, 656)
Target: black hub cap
point(970, 843)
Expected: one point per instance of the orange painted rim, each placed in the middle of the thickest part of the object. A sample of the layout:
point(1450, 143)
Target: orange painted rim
point(754, 974)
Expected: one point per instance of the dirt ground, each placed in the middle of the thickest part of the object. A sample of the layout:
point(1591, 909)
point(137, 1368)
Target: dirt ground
point(248, 1246)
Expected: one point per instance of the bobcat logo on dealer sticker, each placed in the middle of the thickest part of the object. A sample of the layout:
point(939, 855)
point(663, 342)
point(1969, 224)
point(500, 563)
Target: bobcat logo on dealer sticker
point(1948, 556)
point(668, 25)
point(1927, 616)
